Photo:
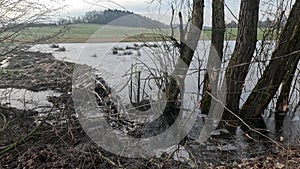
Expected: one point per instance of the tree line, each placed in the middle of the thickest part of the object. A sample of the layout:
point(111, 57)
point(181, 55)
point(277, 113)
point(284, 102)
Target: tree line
point(267, 23)
point(110, 15)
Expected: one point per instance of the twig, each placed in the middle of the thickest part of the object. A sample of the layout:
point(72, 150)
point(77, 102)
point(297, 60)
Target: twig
point(231, 11)
point(23, 139)
point(109, 160)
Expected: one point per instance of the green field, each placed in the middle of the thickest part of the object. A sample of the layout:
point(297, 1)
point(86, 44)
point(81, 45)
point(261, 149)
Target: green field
point(100, 33)
point(109, 33)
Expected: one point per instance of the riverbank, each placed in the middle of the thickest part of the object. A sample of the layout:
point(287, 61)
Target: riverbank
point(55, 138)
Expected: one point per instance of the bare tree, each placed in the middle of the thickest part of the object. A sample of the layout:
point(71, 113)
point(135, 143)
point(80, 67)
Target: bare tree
point(283, 60)
point(188, 45)
point(238, 66)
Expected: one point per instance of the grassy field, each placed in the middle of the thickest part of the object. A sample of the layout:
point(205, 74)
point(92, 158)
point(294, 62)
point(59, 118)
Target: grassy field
point(100, 33)
point(109, 33)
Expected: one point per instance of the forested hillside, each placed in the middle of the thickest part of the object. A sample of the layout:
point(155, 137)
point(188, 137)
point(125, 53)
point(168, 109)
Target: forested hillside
point(110, 16)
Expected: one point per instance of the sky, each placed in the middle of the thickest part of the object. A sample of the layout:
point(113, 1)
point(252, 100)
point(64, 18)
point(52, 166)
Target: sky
point(158, 9)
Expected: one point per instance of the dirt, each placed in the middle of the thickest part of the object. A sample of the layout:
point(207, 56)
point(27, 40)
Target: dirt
point(57, 139)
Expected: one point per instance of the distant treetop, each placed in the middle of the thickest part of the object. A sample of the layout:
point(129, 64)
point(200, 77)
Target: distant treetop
point(110, 15)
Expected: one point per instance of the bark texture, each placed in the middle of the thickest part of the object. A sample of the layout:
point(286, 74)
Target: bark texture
point(238, 66)
point(285, 55)
point(282, 104)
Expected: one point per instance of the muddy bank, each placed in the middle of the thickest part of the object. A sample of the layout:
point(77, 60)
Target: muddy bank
point(25, 144)
point(55, 139)
point(36, 71)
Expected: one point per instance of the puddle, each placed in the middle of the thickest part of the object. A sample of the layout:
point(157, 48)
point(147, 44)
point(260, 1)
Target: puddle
point(26, 100)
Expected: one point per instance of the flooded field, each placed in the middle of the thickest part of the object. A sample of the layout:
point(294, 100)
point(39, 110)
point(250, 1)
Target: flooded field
point(113, 67)
point(222, 148)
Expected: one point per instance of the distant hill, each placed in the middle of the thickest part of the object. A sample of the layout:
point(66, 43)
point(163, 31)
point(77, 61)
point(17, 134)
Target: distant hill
point(118, 18)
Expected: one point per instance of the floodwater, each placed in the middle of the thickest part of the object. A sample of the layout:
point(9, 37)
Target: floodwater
point(115, 69)
point(26, 100)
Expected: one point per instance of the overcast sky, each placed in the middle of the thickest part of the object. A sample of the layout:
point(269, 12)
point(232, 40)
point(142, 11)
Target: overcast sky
point(159, 11)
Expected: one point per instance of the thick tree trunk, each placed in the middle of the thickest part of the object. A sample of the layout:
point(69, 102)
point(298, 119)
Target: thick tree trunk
point(187, 49)
point(282, 104)
point(238, 66)
point(216, 48)
point(286, 54)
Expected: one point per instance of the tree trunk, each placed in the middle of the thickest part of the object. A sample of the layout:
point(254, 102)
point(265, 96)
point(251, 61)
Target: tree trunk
point(187, 49)
point(282, 104)
point(285, 55)
point(282, 101)
point(216, 48)
point(238, 66)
